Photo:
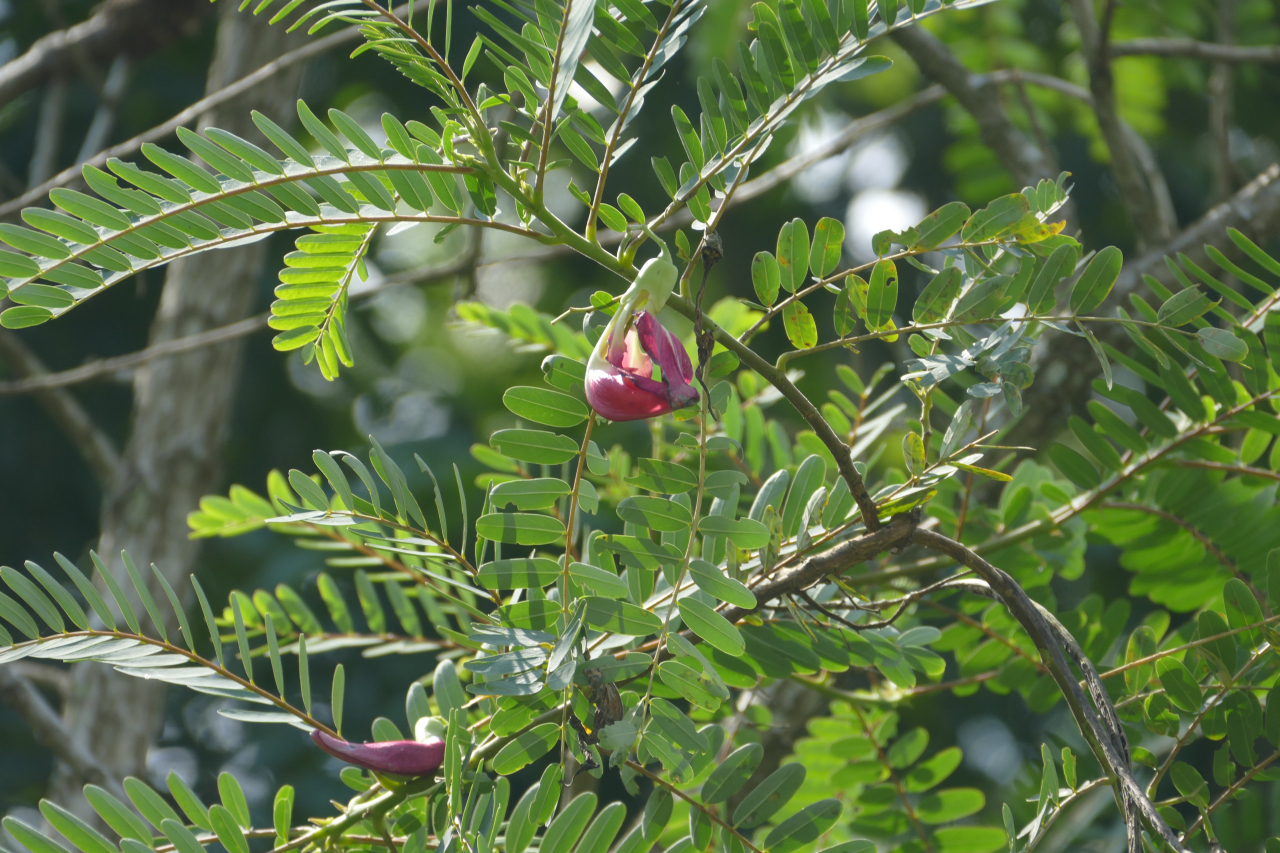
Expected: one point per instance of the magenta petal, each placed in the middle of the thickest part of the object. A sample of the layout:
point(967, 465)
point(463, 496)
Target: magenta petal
point(669, 354)
point(622, 387)
point(617, 395)
point(401, 757)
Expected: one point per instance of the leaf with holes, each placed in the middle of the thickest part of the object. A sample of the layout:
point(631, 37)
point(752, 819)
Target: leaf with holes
point(882, 295)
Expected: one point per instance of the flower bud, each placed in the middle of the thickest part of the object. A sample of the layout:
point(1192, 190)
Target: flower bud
point(429, 728)
point(401, 757)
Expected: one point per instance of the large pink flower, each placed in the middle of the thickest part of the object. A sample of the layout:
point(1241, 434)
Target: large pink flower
point(401, 757)
point(620, 384)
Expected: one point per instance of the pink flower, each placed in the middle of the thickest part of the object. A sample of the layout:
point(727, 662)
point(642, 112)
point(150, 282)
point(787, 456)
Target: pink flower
point(401, 757)
point(620, 384)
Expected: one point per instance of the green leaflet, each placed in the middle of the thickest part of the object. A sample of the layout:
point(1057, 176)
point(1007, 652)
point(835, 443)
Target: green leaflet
point(711, 626)
point(1095, 283)
point(882, 295)
point(769, 796)
point(655, 513)
point(544, 406)
point(732, 773)
point(523, 573)
point(620, 617)
point(810, 823)
point(793, 254)
point(526, 749)
point(828, 237)
point(520, 528)
point(800, 326)
point(664, 477)
point(538, 493)
point(766, 277)
point(937, 296)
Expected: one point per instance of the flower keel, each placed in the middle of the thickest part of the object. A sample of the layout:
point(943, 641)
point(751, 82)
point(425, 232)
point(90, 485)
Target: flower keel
point(401, 757)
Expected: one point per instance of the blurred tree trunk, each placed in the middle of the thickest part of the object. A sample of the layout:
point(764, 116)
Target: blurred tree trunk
point(182, 414)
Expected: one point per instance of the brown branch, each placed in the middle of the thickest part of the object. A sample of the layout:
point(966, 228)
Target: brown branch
point(1242, 470)
point(849, 553)
point(1047, 637)
point(1192, 49)
point(1144, 214)
point(803, 405)
point(135, 27)
point(93, 445)
point(1222, 107)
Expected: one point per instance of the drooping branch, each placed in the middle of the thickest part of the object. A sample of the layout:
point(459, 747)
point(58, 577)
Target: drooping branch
point(134, 27)
point(847, 554)
point(1049, 639)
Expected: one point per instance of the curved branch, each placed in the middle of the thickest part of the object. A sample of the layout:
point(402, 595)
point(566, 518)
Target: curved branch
point(194, 658)
point(1047, 636)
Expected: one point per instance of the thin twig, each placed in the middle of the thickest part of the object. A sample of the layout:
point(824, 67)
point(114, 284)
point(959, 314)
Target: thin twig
point(99, 368)
point(1144, 214)
point(93, 445)
point(53, 109)
point(1192, 49)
